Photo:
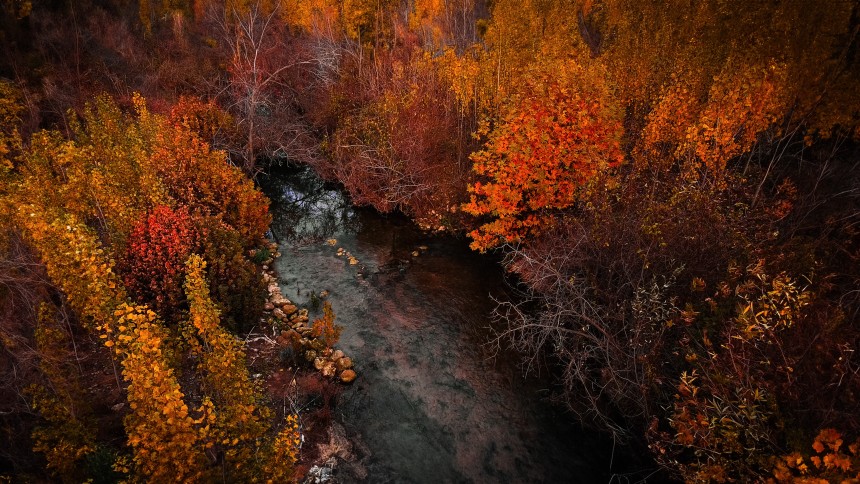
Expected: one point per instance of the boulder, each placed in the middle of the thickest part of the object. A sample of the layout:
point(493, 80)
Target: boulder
point(347, 376)
point(323, 474)
point(344, 363)
point(279, 314)
point(300, 316)
point(338, 354)
point(328, 369)
point(319, 363)
point(268, 306)
point(288, 308)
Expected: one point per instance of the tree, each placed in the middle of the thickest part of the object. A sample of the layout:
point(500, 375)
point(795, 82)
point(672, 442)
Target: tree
point(76, 239)
point(260, 60)
point(154, 264)
point(241, 418)
point(554, 137)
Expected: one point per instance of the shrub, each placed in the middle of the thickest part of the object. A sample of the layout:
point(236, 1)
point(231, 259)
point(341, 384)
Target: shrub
point(155, 259)
point(236, 284)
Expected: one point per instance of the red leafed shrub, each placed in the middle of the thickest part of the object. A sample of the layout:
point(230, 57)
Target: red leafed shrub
point(155, 259)
point(201, 178)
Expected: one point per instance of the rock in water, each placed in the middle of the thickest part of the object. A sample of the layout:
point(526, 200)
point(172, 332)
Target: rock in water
point(321, 474)
point(347, 376)
point(344, 363)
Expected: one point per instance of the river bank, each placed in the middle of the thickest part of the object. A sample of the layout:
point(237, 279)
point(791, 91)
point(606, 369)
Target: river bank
point(431, 402)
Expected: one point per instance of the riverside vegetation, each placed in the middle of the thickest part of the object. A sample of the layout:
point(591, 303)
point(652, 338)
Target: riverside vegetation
point(673, 188)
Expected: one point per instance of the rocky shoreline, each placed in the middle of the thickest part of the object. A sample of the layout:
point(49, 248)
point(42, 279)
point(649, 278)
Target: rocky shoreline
point(294, 330)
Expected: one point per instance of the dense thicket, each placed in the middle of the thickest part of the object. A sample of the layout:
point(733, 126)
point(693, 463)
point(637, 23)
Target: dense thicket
point(95, 211)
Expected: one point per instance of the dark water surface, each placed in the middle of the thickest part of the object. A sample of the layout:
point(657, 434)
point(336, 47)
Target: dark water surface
point(430, 404)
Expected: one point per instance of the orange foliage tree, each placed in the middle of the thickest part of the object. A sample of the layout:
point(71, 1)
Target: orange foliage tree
point(76, 239)
point(155, 259)
point(201, 178)
point(160, 432)
point(239, 424)
point(552, 139)
point(241, 420)
point(206, 119)
point(167, 441)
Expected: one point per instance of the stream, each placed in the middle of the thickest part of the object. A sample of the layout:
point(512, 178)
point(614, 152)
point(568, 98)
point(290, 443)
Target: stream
point(431, 403)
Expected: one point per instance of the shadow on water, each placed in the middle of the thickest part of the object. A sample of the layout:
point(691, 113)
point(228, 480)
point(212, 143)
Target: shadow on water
point(429, 405)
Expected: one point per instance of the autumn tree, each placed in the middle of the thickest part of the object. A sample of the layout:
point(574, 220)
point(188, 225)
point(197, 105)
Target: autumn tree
point(155, 260)
point(160, 431)
point(168, 433)
point(235, 281)
point(67, 434)
point(554, 138)
point(259, 88)
point(207, 120)
point(400, 148)
point(241, 419)
point(195, 175)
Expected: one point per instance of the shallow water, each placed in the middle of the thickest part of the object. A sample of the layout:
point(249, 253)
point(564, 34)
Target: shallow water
point(430, 403)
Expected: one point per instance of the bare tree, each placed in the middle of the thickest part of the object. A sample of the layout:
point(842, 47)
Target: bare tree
point(261, 57)
point(602, 345)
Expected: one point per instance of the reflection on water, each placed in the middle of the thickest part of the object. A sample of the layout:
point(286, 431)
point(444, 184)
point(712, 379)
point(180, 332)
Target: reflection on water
point(429, 404)
point(305, 210)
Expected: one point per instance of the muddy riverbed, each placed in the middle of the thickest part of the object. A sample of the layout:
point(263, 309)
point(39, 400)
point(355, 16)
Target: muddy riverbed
point(432, 403)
